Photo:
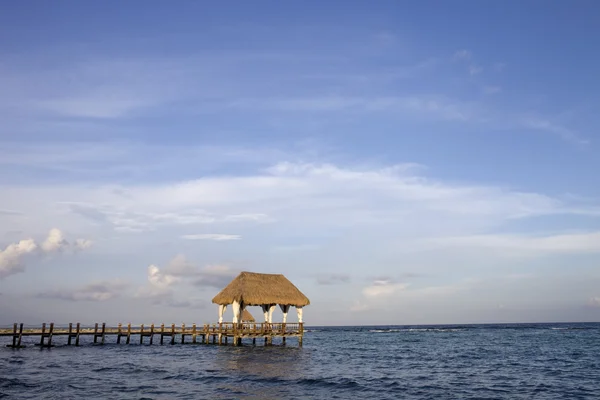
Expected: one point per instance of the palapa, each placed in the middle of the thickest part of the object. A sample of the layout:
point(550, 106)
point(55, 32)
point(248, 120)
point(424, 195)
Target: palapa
point(255, 289)
point(247, 317)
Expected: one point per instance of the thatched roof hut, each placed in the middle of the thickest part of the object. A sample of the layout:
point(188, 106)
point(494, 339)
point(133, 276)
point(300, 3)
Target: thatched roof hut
point(264, 290)
point(247, 317)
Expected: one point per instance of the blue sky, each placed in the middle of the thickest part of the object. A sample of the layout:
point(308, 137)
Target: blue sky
point(402, 163)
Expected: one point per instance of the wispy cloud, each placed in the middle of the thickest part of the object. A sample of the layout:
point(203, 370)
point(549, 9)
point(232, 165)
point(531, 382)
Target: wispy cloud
point(492, 89)
point(512, 245)
point(126, 219)
point(462, 55)
point(10, 212)
point(475, 69)
point(561, 131)
point(333, 279)
point(211, 236)
point(428, 105)
point(97, 291)
point(381, 288)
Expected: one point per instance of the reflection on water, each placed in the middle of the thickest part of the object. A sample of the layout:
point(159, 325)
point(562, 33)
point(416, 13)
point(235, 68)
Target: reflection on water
point(274, 362)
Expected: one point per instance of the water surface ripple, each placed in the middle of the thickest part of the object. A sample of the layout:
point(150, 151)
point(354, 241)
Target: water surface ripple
point(541, 361)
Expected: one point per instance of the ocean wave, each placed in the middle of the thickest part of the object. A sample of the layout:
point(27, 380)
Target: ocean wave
point(416, 330)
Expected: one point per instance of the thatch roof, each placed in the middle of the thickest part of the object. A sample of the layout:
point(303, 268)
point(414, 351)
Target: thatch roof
point(247, 317)
point(254, 289)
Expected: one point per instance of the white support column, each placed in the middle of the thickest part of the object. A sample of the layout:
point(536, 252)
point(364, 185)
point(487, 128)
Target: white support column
point(271, 309)
point(299, 311)
point(236, 312)
point(284, 309)
point(222, 308)
point(265, 308)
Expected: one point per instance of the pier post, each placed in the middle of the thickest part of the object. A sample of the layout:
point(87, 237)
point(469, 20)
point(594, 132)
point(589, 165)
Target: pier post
point(103, 331)
point(20, 335)
point(194, 334)
point(162, 333)
point(119, 333)
point(70, 333)
point(142, 334)
point(77, 334)
point(182, 333)
point(14, 341)
point(128, 333)
point(96, 333)
point(151, 333)
point(50, 334)
point(43, 334)
point(172, 333)
point(253, 341)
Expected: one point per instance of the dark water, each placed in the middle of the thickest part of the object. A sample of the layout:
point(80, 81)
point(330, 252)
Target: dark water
point(542, 361)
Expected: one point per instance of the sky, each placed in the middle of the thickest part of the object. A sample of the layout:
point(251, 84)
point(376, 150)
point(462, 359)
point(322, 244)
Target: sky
point(400, 162)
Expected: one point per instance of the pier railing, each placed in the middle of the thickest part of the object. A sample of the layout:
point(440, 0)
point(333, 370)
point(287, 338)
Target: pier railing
point(100, 331)
point(261, 328)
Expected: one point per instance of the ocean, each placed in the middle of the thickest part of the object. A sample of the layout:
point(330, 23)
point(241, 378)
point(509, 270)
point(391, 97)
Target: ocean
point(517, 361)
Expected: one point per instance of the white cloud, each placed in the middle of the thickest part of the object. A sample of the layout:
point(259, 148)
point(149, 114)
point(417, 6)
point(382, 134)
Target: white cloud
point(211, 236)
point(181, 271)
point(296, 197)
point(160, 279)
point(381, 288)
point(55, 241)
point(12, 257)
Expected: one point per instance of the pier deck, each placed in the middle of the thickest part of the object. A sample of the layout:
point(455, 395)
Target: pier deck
point(219, 332)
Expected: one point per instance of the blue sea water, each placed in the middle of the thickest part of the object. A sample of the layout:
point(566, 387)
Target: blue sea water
point(537, 361)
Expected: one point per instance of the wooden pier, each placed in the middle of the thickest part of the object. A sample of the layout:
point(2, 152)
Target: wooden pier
point(205, 334)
